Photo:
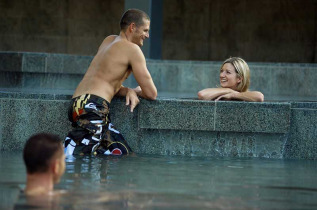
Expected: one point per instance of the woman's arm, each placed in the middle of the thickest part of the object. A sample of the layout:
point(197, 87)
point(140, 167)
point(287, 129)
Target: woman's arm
point(254, 96)
point(214, 93)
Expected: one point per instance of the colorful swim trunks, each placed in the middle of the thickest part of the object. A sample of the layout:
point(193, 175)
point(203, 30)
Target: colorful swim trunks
point(92, 132)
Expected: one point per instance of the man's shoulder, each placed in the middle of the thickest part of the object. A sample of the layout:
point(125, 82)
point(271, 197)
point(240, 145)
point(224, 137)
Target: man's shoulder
point(111, 36)
point(128, 46)
point(127, 43)
point(115, 43)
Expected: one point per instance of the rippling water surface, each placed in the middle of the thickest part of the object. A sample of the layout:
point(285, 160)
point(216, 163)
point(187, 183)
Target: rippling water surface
point(169, 182)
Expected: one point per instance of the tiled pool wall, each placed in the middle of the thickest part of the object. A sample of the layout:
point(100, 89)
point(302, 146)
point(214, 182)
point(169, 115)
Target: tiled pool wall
point(167, 126)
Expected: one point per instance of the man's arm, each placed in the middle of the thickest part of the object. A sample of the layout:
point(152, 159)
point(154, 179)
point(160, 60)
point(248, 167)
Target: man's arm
point(213, 93)
point(142, 75)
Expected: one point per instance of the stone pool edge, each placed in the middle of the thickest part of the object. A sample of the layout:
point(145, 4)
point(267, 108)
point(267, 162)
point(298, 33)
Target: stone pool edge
point(177, 126)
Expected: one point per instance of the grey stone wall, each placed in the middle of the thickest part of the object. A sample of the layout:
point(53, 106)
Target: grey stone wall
point(257, 30)
point(73, 26)
point(32, 100)
point(177, 127)
point(55, 72)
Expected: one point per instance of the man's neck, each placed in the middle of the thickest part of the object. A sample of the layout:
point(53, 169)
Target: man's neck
point(39, 184)
point(123, 35)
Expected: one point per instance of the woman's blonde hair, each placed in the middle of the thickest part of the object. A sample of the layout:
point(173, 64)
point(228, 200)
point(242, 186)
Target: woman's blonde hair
point(243, 71)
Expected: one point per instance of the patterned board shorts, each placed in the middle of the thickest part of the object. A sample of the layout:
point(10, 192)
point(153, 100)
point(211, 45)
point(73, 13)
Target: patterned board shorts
point(92, 132)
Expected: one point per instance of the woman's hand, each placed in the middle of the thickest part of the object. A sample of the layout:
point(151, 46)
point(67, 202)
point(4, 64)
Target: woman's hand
point(228, 96)
point(252, 96)
point(214, 93)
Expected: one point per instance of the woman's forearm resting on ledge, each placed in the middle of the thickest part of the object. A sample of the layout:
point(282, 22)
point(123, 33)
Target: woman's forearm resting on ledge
point(229, 94)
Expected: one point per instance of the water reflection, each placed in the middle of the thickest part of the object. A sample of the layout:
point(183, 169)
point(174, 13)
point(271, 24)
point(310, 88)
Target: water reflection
point(169, 182)
point(51, 201)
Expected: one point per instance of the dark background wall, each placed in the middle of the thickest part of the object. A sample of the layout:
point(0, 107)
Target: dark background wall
point(257, 30)
point(60, 26)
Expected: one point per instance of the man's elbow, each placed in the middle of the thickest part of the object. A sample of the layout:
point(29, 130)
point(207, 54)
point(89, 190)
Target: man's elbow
point(152, 95)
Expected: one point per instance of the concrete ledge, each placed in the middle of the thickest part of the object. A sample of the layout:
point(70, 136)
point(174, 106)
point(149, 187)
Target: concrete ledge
point(215, 116)
point(253, 117)
point(189, 130)
point(177, 114)
point(21, 118)
point(302, 141)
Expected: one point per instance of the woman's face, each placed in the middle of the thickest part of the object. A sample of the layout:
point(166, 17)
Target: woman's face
point(228, 77)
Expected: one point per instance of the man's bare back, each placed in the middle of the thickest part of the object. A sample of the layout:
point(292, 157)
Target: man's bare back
point(109, 68)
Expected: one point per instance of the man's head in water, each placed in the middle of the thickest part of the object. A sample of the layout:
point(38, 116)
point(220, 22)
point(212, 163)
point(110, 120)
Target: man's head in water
point(45, 162)
point(136, 25)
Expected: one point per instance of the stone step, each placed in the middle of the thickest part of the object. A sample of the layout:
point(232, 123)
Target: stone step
point(60, 71)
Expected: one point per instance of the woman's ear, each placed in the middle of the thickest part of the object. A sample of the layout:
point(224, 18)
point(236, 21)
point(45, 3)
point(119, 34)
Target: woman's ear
point(239, 79)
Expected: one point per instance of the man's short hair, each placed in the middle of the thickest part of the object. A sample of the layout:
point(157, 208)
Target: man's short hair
point(39, 150)
point(133, 16)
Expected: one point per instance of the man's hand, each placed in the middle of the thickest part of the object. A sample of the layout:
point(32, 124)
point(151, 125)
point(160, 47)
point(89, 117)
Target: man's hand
point(138, 90)
point(132, 99)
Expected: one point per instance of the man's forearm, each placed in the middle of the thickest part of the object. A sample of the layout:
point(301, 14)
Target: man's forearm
point(140, 93)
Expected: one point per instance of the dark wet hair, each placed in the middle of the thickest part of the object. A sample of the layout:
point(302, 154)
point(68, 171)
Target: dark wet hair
point(133, 16)
point(39, 151)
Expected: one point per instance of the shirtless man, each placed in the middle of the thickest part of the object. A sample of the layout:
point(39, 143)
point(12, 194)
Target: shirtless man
point(116, 58)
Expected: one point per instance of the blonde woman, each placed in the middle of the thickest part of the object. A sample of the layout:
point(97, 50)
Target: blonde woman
point(234, 82)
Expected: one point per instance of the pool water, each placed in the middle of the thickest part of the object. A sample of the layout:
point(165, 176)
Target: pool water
point(170, 182)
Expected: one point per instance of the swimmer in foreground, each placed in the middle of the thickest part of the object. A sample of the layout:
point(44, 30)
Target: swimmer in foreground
point(234, 82)
point(117, 57)
point(45, 163)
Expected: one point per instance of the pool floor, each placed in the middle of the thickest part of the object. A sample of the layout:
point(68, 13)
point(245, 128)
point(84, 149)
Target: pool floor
point(170, 182)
